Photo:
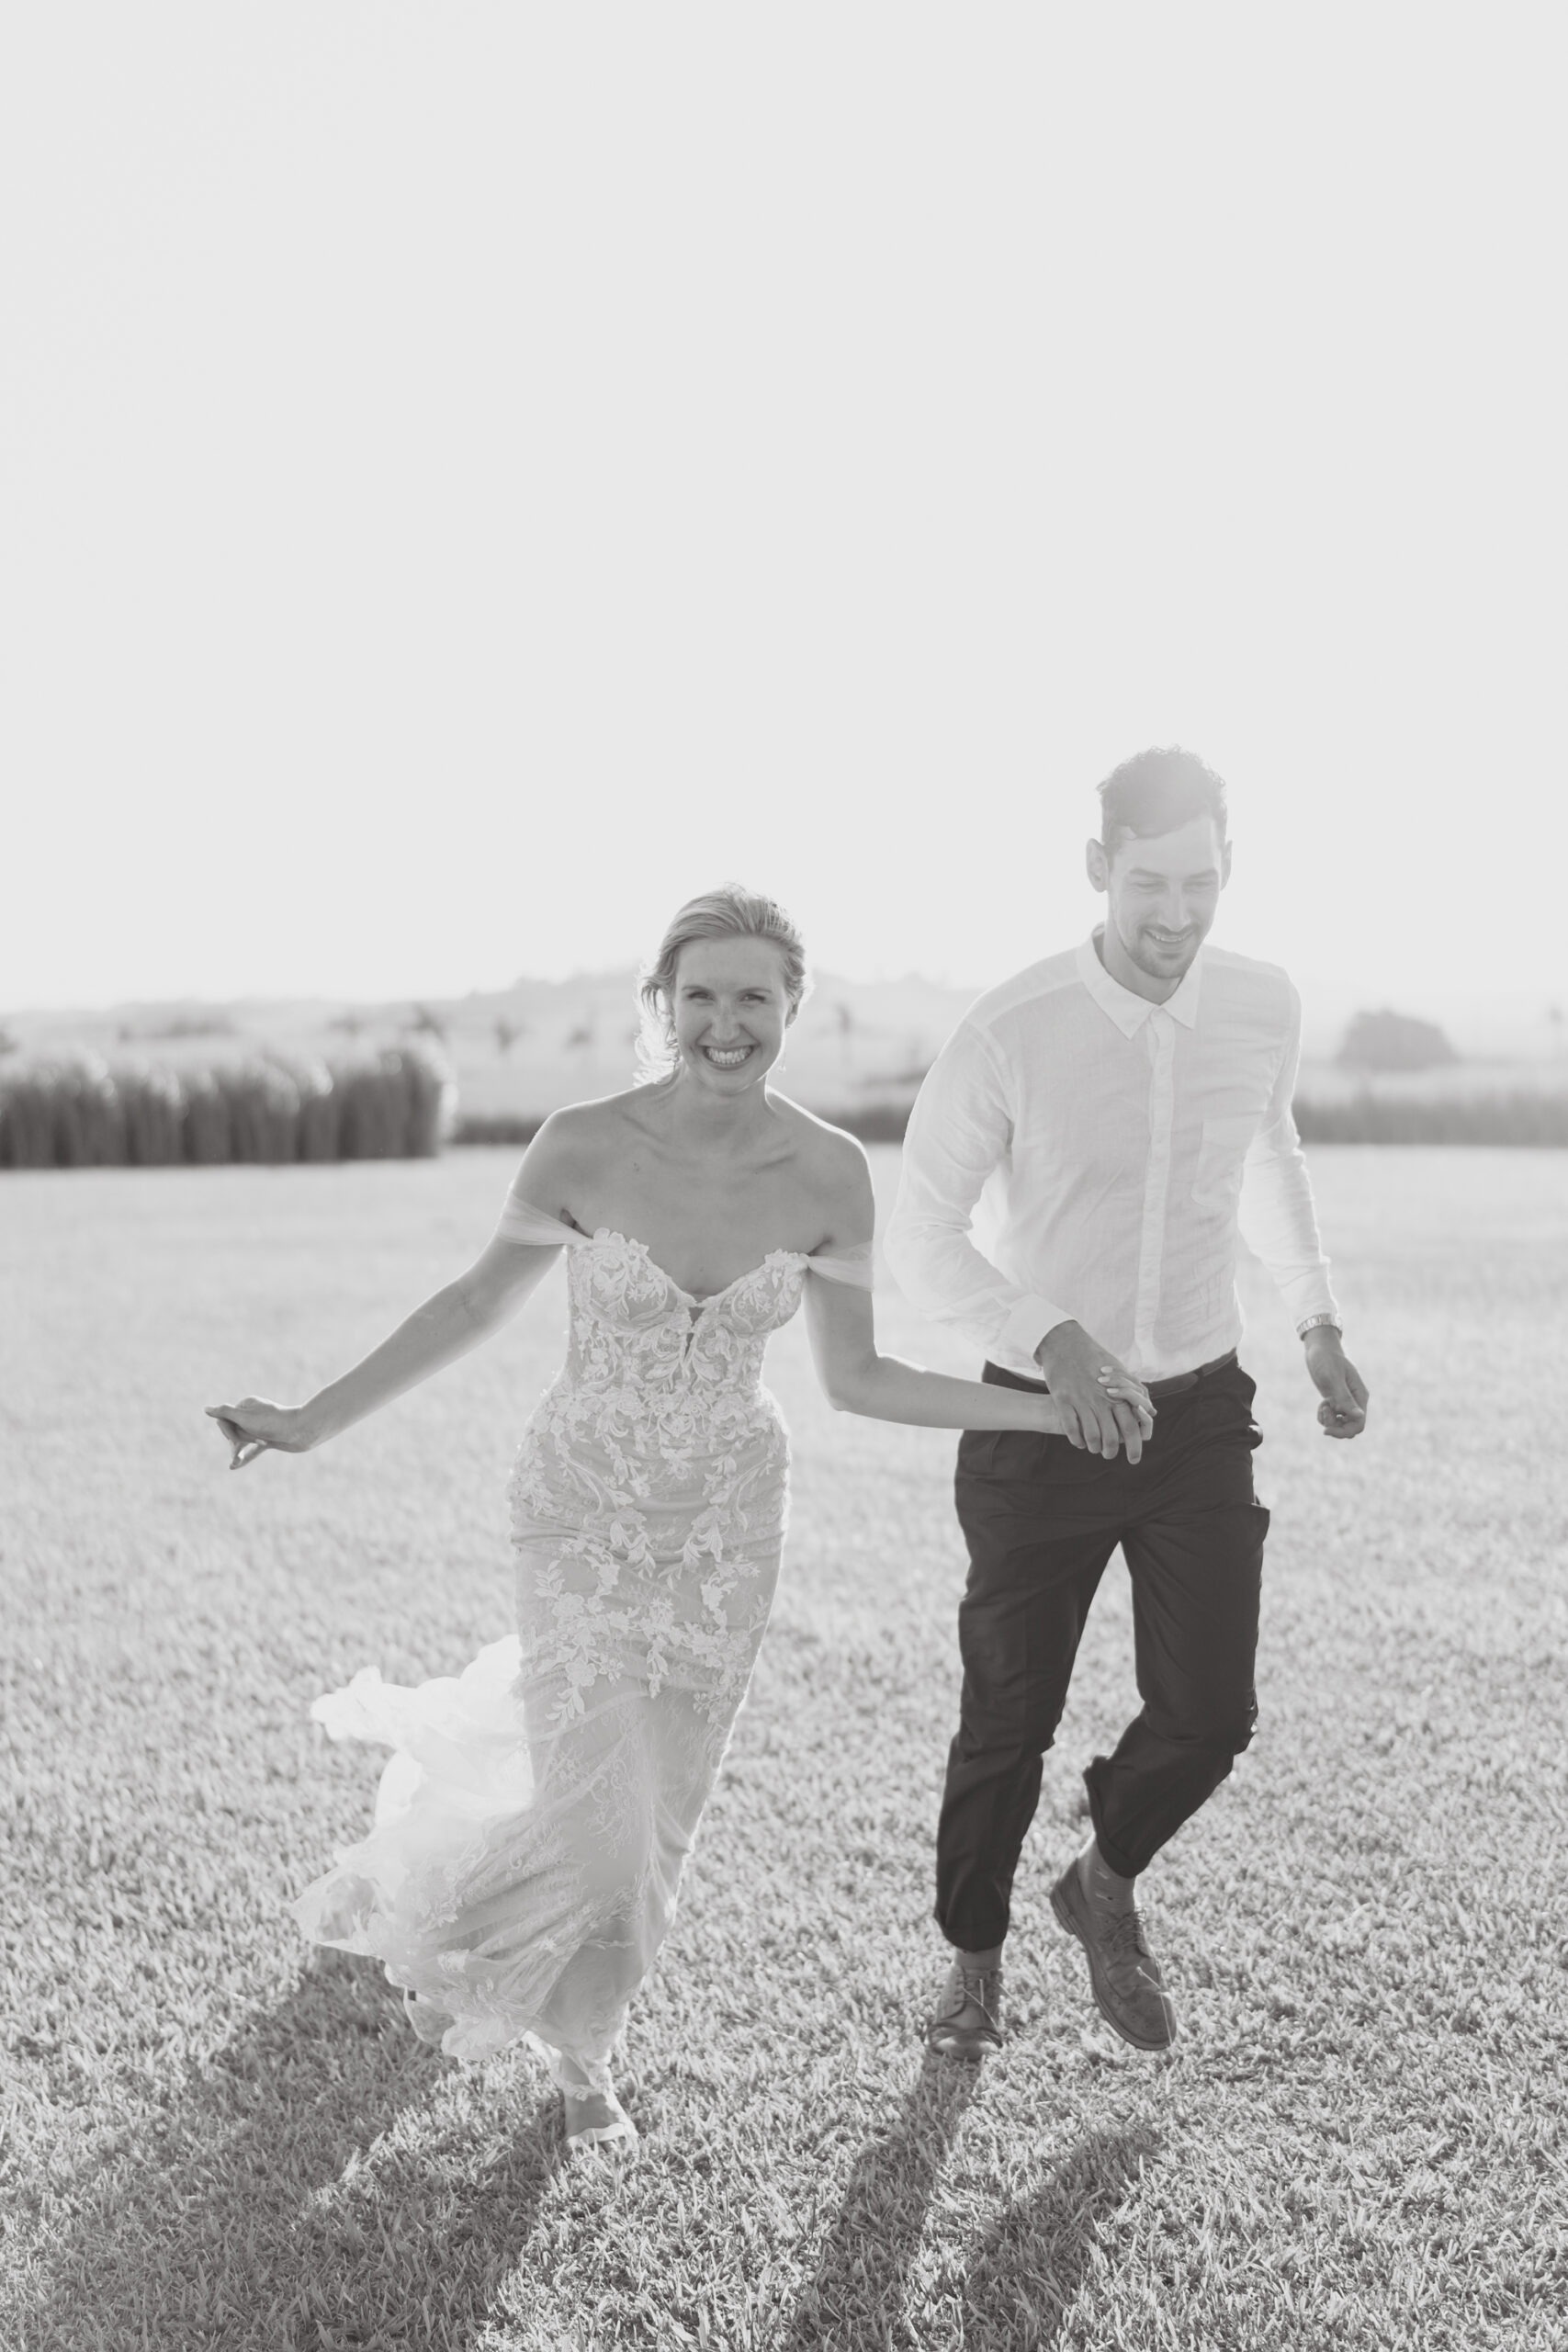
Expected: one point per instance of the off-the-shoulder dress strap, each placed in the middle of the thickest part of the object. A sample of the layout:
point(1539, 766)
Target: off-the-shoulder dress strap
point(521, 1221)
point(852, 1266)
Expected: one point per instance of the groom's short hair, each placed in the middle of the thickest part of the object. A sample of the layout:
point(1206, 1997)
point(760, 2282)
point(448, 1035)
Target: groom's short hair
point(1156, 791)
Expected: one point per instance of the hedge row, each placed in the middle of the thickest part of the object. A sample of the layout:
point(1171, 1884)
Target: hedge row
point(81, 1111)
point(1519, 1115)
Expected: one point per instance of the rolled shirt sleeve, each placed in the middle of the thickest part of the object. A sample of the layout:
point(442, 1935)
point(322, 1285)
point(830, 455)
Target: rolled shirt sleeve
point(1278, 1219)
point(960, 1131)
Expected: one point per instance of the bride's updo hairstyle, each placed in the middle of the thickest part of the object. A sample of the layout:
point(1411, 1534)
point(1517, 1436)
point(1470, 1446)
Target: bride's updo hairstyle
point(730, 913)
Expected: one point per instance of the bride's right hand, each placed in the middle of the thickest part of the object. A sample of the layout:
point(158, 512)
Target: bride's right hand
point(253, 1427)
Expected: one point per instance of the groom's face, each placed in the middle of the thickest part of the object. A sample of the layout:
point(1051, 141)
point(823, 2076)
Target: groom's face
point(1163, 893)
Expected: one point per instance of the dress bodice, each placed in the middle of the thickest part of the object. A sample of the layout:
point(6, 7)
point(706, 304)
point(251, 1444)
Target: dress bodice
point(631, 1324)
point(635, 1329)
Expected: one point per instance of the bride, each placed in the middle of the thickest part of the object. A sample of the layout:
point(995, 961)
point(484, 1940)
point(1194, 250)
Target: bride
point(532, 1824)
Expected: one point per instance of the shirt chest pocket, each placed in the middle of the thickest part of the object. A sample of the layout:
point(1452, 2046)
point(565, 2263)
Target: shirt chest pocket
point(1222, 1150)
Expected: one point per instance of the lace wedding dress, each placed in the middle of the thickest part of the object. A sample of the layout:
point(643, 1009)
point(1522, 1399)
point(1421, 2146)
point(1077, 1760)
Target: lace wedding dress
point(531, 1827)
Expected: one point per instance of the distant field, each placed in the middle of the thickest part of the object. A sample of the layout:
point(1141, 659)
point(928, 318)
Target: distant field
point(861, 1071)
point(214, 2141)
point(857, 1047)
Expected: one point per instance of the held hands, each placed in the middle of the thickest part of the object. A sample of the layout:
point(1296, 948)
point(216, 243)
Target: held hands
point(253, 1427)
point(1102, 1406)
point(1343, 1412)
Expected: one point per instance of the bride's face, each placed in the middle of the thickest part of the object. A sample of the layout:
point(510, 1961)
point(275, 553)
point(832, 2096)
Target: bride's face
point(730, 1012)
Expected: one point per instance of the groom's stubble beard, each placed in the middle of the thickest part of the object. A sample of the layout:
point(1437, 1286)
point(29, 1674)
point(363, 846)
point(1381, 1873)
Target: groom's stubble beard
point(1162, 965)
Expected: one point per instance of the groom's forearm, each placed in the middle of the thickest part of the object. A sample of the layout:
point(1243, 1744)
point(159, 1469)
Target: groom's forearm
point(888, 1389)
point(1277, 1221)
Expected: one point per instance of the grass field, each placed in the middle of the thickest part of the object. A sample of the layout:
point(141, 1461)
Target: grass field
point(214, 2139)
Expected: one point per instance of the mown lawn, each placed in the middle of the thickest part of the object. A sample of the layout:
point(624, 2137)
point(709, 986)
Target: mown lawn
point(213, 2139)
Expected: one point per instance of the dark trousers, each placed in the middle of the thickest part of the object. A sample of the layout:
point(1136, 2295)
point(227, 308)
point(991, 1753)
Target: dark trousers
point(1041, 1518)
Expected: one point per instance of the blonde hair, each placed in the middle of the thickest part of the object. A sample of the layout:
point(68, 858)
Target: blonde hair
point(730, 913)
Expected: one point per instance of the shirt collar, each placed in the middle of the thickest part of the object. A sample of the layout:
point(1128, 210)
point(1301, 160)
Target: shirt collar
point(1128, 1010)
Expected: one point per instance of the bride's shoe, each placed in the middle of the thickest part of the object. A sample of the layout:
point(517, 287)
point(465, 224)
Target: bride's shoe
point(594, 2116)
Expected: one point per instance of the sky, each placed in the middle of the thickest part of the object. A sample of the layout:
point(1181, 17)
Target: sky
point(471, 477)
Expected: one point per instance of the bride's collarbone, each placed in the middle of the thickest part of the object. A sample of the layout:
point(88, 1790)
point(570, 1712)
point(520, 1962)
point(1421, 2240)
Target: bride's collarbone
point(704, 1231)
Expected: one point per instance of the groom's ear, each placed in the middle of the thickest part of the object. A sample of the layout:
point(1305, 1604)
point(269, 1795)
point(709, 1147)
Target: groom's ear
point(1097, 862)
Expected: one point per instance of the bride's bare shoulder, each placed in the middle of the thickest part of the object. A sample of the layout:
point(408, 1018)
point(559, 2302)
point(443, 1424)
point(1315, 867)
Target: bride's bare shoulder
point(828, 1156)
point(572, 1140)
point(603, 1120)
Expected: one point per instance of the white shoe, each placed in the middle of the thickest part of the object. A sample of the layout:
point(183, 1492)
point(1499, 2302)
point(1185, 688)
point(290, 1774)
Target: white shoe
point(594, 2116)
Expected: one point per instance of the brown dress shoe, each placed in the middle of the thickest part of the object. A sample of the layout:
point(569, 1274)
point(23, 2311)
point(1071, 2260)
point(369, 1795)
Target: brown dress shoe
point(1122, 1971)
point(966, 2021)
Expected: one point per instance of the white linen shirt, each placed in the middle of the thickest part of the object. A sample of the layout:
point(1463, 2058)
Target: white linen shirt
point(1120, 1146)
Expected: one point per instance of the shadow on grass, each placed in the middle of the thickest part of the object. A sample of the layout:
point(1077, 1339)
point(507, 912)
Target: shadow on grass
point(249, 2213)
point(857, 2295)
point(1026, 2270)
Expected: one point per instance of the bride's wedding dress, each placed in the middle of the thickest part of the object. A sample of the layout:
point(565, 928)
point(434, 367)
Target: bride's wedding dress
point(530, 1829)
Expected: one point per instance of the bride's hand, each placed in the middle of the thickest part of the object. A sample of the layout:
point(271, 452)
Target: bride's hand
point(1129, 1392)
point(253, 1427)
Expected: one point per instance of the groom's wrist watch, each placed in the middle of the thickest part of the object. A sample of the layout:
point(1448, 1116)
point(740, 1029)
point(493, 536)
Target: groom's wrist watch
point(1313, 1322)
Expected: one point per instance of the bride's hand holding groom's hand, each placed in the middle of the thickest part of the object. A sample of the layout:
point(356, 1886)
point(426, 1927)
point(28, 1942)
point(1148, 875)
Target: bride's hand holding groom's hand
point(1100, 1414)
point(254, 1426)
point(1113, 1385)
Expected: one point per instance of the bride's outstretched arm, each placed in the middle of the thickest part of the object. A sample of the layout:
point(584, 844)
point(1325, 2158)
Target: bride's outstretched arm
point(451, 1321)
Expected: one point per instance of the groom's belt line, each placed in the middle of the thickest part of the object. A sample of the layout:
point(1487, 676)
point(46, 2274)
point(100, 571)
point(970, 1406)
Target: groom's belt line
point(1177, 1381)
point(1180, 1380)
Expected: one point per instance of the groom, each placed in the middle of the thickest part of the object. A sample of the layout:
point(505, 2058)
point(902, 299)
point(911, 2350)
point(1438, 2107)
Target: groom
point(1127, 1104)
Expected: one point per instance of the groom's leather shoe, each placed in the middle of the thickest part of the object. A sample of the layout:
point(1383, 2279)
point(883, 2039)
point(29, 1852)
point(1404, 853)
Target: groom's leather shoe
point(1122, 1972)
point(966, 2021)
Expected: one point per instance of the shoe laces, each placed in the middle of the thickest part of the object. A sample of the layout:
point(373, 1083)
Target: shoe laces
point(1124, 1938)
point(981, 1985)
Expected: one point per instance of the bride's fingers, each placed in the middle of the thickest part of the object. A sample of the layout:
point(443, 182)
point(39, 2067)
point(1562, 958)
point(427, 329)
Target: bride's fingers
point(1131, 1392)
point(244, 1444)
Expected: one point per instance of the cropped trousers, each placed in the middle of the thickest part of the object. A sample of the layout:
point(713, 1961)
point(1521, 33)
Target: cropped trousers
point(1042, 1518)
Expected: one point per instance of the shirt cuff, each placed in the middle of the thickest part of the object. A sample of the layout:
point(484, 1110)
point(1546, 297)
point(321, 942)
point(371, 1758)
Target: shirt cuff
point(1029, 1322)
point(1309, 1293)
